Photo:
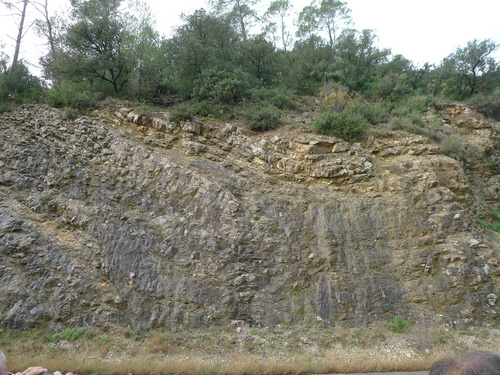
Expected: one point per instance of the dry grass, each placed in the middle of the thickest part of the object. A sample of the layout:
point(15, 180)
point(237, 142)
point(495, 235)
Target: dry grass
point(235, 351)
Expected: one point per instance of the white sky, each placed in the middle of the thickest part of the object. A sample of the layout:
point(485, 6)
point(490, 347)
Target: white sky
point(422, 31)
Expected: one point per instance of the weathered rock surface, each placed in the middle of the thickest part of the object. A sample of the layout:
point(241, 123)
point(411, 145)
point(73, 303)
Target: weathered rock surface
point(122, 219)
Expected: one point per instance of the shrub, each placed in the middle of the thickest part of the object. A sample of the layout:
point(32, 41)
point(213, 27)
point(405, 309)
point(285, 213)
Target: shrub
point(187, 111)
point(54, 339)
point(279, 97)
point(402, 111)
point(493, 227)
point(452, 146)
point(488, 103)
point(71, 94)
point(415, 105)
point(496, 216)
point(351, 127)
point(5, 107)
point(263, 118)
point(410, 114)
point(221, 86)
point(70, 113)
point(391, 86)
point(398, 324)
point(402, 123)
point(283, 100)
point(71, 334)
point(373, 113)
point(419, 103)
point(416, 118)
point(436, 130)
point(104, 340)
point(338, 100)
point(20, 86)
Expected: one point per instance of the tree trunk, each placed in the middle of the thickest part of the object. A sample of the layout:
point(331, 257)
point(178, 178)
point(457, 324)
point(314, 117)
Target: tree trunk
point(20, 33)
point(50, 35)
point(284, 39)
point(330, 36)
point(242, 23)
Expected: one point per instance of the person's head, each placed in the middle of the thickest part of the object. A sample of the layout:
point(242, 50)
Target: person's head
point(475, 363)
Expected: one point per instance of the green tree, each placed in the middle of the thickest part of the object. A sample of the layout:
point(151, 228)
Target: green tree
point(204, 41)
point(154, 69)
point(307, 23)
point(4, 62)
point(332, 15)
point(96, 45)
point(17, 84)
point(310, 63)
point(277, 14)
point(359, 61)
point(221, 86)
point(399, 78)
point(327, 16)
point(463, 70)
point(260, 59)
point(148, 50)
point(241, 11)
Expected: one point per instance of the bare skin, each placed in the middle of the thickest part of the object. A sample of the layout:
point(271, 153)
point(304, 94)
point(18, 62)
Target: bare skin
point(38, 371)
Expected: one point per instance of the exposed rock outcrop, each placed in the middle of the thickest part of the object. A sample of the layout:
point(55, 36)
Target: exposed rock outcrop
point(119, 218)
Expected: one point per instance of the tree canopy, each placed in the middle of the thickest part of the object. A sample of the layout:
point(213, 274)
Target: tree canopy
point(232, 53)
point(466, 68)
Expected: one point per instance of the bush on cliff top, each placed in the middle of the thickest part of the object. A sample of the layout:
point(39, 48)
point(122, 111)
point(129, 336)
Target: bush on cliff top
point(263, 118)
point(350, 127)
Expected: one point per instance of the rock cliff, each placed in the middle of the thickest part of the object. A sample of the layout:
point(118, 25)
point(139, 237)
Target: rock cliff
point(118, 218)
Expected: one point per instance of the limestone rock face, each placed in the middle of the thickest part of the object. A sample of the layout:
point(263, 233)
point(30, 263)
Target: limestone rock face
point(121, 219)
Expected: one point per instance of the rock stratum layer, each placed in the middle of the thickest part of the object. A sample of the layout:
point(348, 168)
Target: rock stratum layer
point(114, 218)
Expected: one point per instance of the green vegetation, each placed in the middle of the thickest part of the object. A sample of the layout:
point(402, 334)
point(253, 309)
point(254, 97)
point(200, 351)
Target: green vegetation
point(263, 118)
point(221, 86)
point(214, 67)
point(18, 85)
point(351, 127)
point(70, 113)
point(47, 197)
point(495, 215)
point(452, 145)
point(69, 334)
point(104, 340)
point(398, 324)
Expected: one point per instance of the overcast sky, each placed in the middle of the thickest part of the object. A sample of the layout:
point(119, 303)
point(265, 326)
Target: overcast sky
point(422, 31)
